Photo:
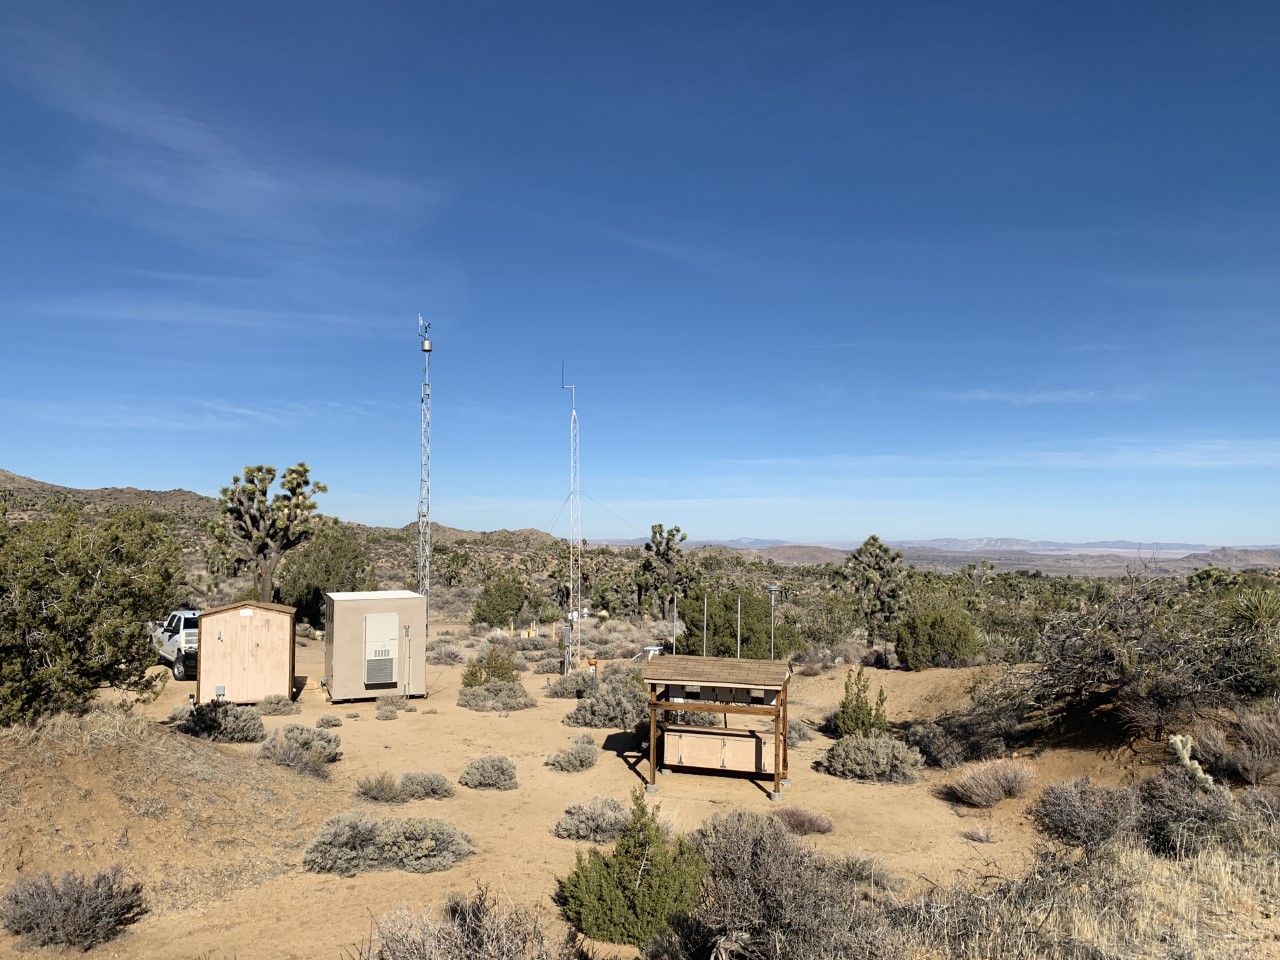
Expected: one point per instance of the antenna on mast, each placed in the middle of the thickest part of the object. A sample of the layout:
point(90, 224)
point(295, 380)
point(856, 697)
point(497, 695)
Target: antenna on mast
point(575, 534)
point(424, 474)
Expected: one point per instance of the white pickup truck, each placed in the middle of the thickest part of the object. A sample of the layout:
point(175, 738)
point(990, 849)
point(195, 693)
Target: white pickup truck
point(178, 639)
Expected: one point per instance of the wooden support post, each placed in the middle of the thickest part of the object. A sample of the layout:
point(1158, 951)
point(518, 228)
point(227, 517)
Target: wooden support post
point(653, 738)
point(778, 734)
point(786, 734)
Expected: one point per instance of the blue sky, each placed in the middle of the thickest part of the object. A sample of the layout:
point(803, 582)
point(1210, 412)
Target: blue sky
point(817, 270)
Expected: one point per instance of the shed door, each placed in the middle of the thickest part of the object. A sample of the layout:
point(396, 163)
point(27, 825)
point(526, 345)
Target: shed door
point(381, 645)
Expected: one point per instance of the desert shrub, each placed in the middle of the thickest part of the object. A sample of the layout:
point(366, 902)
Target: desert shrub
point(984, 729)
point(881, 758)
point(426, 786)
point(277, 705)
point(493, 772)
point(304, 749)
point(75, 912)
point(547, 665)
point(856, 715)
point(582, 755)
point(496, 663)
point(1255, 754)
point(1179, 817)
point(620, 703)
point(224, 722)
point(980, 833)
point(180, 713)
point(352, 715)
point(765, 894)
point(986, 784)
point(632, 892)
point(479, 927)
point(598, 820)
point(353, 842)
point(383, 788)
point(798, 732)
point(496, 696)
point(802, 821)
point(387, 712)
point(445, 655)
point(330, 720)
point(691, 718)
point(1078, 814)
point(935, 638)
point(938, 747)
point(571, 686)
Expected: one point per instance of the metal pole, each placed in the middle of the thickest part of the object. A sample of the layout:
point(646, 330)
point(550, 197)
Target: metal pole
point(704, 624)
point(675, 603)
point(773, 600)
point(739, 626)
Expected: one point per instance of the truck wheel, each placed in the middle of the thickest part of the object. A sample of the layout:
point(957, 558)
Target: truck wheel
point(179, 668)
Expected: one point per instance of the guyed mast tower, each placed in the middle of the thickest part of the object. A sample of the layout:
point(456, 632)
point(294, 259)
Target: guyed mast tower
point(424, 473)
point(573, 643)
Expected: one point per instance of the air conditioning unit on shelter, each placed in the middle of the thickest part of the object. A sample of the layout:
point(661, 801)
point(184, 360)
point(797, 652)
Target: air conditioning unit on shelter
point(381, 644)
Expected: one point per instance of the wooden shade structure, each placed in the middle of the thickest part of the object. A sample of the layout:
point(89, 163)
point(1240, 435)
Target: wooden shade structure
point(246, 652)
point(743, 688)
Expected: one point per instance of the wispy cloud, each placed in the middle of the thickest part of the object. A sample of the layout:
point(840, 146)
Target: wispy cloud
point(1023, 398)
point(188, 414)
point(177, 172)
point(140, 309)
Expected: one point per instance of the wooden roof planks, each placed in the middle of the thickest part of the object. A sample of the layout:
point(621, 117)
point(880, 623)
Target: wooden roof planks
point(716, 671)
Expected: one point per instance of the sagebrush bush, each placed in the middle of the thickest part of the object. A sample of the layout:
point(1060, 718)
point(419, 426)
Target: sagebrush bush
point(277, 705)
point(936, 638)
point(383, 788)
point(493, 772)
point(766, 894)
point(634, 891)
point(180, 713)
point(1179, 818)
point(582, 755)
point(1079, 814)
point(986, 784)
point(330, 720)
point(547, 665)
point(938, 747)
point(224, 722)
point(426, 786)
point(599, 820)
point(387, 712)
point(880, 758)
point(353, 715)
point(495, 697)
point(479, 927)
point(798, 732)
point(802, 821)
point(354, 842)
point(445, 655)
point(494, 664)
point(571, 686)
point(620, 703)
point(75, 912)
point(304, 749)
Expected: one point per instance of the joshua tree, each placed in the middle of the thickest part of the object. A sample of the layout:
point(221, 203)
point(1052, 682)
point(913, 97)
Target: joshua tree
point(254, 531)
point(661, 568)
point(879, 584)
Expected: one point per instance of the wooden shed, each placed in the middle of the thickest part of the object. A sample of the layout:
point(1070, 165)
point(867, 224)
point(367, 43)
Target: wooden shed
point(375, 643)
point(245, 652)
point(743, 689)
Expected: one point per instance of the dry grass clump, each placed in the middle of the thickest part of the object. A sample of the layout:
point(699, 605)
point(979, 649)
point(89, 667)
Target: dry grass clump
point(353, 715)
point(803, 821)
point(599, 820)
point(304, 749)
point(798, 732)
point(881, 758)
point(479, 927)
point(980, 833)
point(75, 912)
point(277, 705)
point(426, 786)
point(383, 788)
point(224, 722)
point(986, 784)
point(493, 772)
point(1252, 755)
point(496, 696)
point(581, 756)
point(329, 720)
point(179, 713)
point(353, 843)
point(387, 712)
point(446, 655)
point(100, 728)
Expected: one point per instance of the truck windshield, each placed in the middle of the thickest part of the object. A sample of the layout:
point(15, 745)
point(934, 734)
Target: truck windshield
point(190, 623)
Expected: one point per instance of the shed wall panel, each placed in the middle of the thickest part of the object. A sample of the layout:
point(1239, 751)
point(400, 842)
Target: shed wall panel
point(344, 644)
point(248, 652)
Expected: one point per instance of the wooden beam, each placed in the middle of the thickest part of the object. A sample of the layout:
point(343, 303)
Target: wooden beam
point(778, 735)
point(786, 737)
point(653, 744)
point(692, 707)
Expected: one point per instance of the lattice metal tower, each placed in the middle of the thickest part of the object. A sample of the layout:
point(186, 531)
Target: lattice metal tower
point(424, 473)
point(573, 648)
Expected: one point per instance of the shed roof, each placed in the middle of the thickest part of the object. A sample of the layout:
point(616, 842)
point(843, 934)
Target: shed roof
point(716, 671)
point(257, 604)
point(376, 595)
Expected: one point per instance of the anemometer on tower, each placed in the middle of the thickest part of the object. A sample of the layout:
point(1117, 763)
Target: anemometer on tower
point(424, 474)
point(572, 633)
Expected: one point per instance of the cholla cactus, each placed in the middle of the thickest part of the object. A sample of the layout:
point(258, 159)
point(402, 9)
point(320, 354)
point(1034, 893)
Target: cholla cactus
point(1181, 745)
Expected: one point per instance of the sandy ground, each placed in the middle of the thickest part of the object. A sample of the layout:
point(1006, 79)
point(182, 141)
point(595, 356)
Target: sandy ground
point(225, 874)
